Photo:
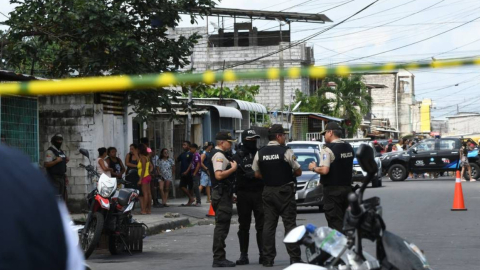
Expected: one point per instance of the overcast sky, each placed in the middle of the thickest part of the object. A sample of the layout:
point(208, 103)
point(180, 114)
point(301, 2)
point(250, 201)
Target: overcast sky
point(387, 25)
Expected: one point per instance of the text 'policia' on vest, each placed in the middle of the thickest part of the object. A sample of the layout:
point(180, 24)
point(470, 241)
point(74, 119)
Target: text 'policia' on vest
point(340, 173)
point(273, 167)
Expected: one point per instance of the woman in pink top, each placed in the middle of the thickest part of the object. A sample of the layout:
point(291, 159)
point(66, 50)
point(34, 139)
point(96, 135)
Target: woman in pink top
point(102, 165)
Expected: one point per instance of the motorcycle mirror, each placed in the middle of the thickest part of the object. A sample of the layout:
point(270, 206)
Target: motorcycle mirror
point(84, 152)
point(296, 235)
point(365, 158)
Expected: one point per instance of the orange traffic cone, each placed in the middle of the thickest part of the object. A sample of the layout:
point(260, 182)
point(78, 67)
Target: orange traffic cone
point(211, 213)
point(458, 203)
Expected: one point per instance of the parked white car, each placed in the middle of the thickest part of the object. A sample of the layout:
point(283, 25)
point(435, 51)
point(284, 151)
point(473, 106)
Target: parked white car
point(305, 145)
point(358, 174)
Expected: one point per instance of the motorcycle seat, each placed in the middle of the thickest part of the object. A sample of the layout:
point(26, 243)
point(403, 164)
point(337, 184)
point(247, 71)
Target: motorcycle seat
point(124, 195)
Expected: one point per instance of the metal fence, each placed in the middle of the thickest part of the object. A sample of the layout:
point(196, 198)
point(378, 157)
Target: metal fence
point(19, 124)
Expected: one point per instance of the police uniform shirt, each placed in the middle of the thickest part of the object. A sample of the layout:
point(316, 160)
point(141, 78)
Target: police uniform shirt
point(326, 155)
point(220, 162)
point(289, 158)
point(49, 155)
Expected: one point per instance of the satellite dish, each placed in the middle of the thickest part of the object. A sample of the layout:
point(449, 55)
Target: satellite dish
point(296, 106)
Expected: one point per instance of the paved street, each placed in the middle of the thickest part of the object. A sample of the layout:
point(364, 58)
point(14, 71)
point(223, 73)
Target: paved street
point(418, 210)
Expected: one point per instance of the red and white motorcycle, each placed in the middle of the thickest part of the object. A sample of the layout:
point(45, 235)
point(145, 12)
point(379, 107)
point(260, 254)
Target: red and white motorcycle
point(110, 212)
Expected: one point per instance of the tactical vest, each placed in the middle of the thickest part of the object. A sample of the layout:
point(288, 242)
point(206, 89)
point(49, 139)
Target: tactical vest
point(245, 175)
point(273, 167)
point(59, 168)
point(340, 173)
point(227, 181)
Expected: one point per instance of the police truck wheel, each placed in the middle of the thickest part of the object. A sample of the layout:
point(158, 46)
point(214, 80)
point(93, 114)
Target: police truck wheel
point(475, 171)
point(397, 172)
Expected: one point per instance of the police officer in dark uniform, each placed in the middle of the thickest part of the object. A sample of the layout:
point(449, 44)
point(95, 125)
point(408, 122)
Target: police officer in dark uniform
point(249, 195)
point(222, 180)
point(336, 167)
point(276, 164)
point(56, 164)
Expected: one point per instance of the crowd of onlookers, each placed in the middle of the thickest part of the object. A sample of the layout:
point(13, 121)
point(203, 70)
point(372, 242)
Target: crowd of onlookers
point(401, 145)
point(152, 172)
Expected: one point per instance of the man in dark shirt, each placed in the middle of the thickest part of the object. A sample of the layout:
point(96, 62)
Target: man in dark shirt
point(186, 180)
point(378, 147)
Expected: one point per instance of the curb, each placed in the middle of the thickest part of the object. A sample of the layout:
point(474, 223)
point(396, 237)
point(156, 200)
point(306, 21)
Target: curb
point(167, 225)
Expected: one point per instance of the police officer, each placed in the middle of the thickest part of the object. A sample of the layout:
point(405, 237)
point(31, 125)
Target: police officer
point(56, 164)
point(276, 164)
point(336, 167)
point(222, 179)
point(249, 195)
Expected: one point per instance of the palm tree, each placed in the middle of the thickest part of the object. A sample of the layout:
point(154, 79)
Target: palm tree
point(350, 99)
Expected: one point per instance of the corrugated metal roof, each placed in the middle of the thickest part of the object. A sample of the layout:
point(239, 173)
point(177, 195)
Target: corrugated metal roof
point(251, 106)
point(228, 112)
point(319, 115)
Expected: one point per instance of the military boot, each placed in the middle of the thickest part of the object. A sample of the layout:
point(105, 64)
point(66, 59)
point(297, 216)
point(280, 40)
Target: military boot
point(243, 238)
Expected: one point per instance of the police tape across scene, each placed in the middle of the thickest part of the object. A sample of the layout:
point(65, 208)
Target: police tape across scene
point(137, 82)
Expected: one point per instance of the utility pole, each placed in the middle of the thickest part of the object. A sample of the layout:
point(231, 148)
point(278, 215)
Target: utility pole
point(282, 80)
point(188, 132)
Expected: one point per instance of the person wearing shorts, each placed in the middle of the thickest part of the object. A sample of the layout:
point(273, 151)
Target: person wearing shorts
point(205, 181)
point(464, 162)
point(166, 170)
point(186, 181)
point(144, 171)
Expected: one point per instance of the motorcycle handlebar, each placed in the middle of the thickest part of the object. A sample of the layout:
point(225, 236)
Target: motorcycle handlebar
point(81, 165)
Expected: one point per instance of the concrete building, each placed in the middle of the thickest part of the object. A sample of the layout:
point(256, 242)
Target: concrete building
point(216, 51)
point(439, 126)
point(86, 121)
point(394, 99)
point(463, 123)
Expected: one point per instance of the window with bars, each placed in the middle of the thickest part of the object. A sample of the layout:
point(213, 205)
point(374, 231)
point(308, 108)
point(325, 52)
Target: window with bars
point(19, 124)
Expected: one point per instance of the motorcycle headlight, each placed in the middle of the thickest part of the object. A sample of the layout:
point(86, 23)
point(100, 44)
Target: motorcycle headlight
point(313, 183)
point(106, 191)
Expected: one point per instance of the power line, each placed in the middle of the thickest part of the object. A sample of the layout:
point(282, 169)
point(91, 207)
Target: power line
point(303, 40)
point(410, 44)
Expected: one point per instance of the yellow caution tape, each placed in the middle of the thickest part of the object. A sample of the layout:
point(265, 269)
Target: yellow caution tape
point(135, 82)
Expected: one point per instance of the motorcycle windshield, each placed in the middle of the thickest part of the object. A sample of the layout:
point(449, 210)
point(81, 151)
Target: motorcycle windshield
point(402, 254)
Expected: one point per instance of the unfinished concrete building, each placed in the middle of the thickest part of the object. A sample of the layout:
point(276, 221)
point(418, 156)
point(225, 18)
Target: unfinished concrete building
point(245, 47)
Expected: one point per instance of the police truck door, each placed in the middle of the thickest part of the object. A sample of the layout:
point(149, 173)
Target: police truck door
point(423, 156)
point(449, 153)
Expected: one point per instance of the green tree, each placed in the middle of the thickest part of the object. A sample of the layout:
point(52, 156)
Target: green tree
point(350, 101)
point(81, 38)
point(242, 92)
point(314, 103)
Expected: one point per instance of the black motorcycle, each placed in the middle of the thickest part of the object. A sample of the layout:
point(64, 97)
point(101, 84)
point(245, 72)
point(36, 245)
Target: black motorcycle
point(363, 220)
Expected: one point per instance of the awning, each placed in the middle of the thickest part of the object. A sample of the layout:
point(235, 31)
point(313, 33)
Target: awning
point(228, 112)
point(250, 106)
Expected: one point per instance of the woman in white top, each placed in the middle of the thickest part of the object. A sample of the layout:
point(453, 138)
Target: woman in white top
point(102, 165)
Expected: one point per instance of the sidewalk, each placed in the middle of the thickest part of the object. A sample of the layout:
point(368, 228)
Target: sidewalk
point(157, 222)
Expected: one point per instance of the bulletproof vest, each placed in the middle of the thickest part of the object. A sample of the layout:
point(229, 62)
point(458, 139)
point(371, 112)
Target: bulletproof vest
point(273, 167)
point(229, 180)
point(245, 174)
point(59, 168)
point(340, 173)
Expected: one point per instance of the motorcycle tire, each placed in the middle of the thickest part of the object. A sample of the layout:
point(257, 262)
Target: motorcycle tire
point(96, 227)
point(115, 245)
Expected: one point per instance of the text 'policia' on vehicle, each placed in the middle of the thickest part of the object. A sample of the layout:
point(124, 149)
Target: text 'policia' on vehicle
point(430, 155)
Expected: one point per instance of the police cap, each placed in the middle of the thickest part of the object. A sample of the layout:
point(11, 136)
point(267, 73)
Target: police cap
point(224, 136)
point(331, 126)
point(249, 134)
point(276, 129)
